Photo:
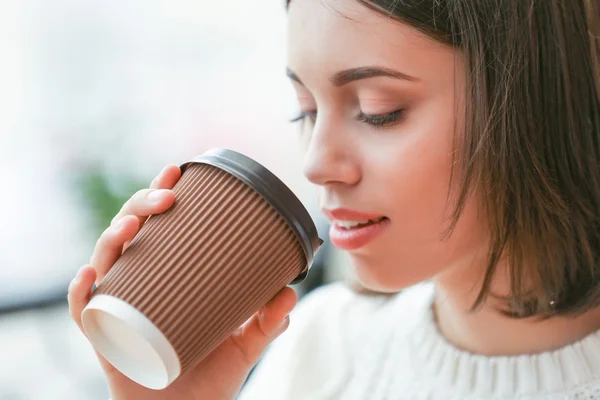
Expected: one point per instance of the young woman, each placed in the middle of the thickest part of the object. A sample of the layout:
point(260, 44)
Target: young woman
point(455, 145)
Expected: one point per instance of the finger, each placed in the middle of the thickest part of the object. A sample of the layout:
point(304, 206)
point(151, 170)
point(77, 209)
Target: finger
point(122, 230)
point(264, 326)
point(80, 291)
point(146, 202)
point(110, 245)
point(166, 179)
point(272, 314)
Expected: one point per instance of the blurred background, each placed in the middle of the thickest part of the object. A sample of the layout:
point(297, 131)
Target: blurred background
point(96, 98)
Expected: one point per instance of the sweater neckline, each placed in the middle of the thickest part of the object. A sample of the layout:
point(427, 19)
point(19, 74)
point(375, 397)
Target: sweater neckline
point(560, 370)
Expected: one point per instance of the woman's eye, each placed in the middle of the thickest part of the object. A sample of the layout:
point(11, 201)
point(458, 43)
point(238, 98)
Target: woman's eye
point(381, 119)
point(377, 120)
point(312, 115)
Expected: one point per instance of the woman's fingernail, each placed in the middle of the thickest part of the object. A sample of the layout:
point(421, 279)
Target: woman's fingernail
point(158, 177)
point(286, 320)
point(157, 195)
point(163, 171)
point(119, 225)
point(79, 275)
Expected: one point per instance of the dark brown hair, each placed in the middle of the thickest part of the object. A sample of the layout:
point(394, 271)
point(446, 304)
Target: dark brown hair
point(531, 144)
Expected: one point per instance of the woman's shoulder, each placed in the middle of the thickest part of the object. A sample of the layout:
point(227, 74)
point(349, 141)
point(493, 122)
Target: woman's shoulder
point(328, 328)
point(305, 360)
point(338, 309)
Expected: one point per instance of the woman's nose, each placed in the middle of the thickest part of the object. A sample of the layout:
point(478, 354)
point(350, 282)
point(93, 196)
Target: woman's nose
point(330, 158)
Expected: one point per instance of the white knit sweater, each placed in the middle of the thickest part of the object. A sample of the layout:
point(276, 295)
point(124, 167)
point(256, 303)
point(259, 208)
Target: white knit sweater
point(345, 346)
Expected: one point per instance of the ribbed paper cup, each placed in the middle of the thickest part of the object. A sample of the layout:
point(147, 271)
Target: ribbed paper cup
point(234, 238)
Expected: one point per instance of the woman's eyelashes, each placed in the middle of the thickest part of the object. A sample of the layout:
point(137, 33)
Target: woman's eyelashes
point(312, 115)
point(377, 120)
point(381, 119)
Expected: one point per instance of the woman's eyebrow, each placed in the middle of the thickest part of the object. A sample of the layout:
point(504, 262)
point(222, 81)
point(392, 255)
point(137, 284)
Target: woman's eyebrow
point(343, 77)
point(354, 74)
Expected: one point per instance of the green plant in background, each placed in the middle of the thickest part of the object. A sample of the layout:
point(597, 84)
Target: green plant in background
point(103, 195)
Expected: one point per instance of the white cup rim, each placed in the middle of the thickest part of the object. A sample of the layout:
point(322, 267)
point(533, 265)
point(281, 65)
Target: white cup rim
point(130, 342)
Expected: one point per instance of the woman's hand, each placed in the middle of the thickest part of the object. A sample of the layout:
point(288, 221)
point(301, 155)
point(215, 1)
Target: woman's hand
point(222, 373)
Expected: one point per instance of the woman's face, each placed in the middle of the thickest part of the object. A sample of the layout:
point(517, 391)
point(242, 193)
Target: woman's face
point(380, 102)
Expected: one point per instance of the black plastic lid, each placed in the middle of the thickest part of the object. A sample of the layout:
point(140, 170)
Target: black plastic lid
point(272, 189)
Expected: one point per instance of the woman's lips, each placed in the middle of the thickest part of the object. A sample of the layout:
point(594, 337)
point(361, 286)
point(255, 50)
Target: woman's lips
point(351, 230)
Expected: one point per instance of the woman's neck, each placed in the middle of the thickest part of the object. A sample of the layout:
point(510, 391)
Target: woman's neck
point(488, 332)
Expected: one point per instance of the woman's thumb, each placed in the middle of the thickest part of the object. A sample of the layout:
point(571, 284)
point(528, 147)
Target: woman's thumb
point(265, 325)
